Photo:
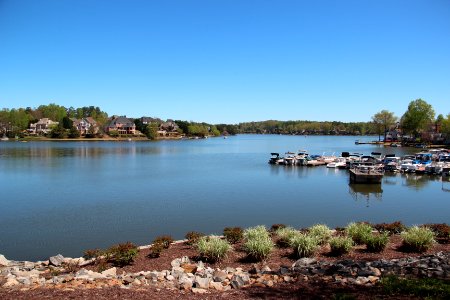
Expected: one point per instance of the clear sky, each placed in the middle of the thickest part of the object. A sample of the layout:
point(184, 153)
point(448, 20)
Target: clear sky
point(227, 60)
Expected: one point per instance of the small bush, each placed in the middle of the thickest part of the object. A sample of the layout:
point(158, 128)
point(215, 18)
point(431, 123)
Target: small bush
point(340, 245)
point(123, 254)
point(156, 250)
point(193, 237)
point(391, 228)
point(275, 227)
point(321, 232)
point(284, 235)
point(92, 253)
point(304, 245)
point(441, 232)
point(258, 248)
point(377, 242)
point(417, 239)
point(164, 240)
point(233, 234)
point(257, 232)
point(359, 232)
point(213, 248)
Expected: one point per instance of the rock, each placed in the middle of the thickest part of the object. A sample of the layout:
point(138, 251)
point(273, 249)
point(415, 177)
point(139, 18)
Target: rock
point(127, 280)
point(136, 282)
point(56, 260)
point(239, 281)
point(11, 282)
point(175, 263)
point(185, 260)
point(112, 272)
point(219, 276)
point(3, 261)
point(202, 283)
point(287, 278)
point(216, 285)
point(373, 279)
point(266, 269)
point(303, 262)
point(268, 283)
point(185, 283)
point(361, 280)
point(284, 270)
point(199, 291)
point(189, 268)
point(24, 280)
point(170, 277)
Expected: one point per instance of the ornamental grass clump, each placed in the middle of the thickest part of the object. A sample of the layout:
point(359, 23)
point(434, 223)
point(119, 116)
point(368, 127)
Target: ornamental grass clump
point(359, 232)
point(417, 239)
point(257, 243)
point(304, 245)
point(340, 245)
point(321, 232)
point(377, 242)
point(213, 248)
point(284, 236)
point(233, 234)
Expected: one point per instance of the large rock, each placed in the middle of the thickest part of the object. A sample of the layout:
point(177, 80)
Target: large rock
point(112, 272)
point(3, 261)
point(11, 282)
point(239, 281)
point(303, 262)
point(202, 283)
point(185, 283)
point(219, 276)
point(56, 260)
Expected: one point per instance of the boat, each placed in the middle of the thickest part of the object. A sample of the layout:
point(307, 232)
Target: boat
point(289, 159)
point(396, 145)
point(408, 166)
point(275, 159)
point(328, 158)
point(302, 157)
point(434, 168)
point(4, 138)
point(391, 163)
point(339, 162)
point(366, 173)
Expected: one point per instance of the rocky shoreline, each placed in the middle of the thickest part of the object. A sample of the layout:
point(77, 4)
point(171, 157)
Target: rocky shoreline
point(185, 275)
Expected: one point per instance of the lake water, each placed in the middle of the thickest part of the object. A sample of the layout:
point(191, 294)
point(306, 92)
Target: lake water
point(66, 197)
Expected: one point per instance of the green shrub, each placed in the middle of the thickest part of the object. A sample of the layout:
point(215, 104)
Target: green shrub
point(213, 248)
point(321, 232)
point(284, 235)
point(377, 242)
point(391, 228)
point(233, 234)
point(304, 245)
point(358, 232)
point(123, 254)
point(193, 237)
point(92, 253)
point(340, 245)
point(164, 240)
point(417, 239)
point(156, 250)
point(275, 227)
point(441, 232)
point(257, 232)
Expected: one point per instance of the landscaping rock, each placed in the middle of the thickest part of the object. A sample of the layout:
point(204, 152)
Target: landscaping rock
point(304, 262)
point(202, 283)
point(216, 285)
point(3, 261)
point(112, 272)
point(199, 291)
point(56, 260)
point(219, 276)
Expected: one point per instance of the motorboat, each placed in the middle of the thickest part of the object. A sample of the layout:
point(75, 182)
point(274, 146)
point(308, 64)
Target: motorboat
point(392, 163)
point(275, 159)
point(339, 162)
point(302, 157)
point(289, 159)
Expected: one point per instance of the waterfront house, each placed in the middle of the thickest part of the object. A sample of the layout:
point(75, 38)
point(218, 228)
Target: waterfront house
point(43, 126)
point(122, 125)
point(168, 129)
point(85, 124)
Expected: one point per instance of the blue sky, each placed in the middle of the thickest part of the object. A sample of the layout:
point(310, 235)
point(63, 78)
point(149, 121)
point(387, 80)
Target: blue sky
point(227, 61)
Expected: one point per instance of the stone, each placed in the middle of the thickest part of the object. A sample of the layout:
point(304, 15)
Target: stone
point(112, 272)
point(185, 260)
point(304, 262)
point(199, 291)
point(216, 285)
point(219, 276)
point(56, 260)
point(136, 282)
point(185, 283)
point(361, 280)
point(287, 278)
point(175, 263)
point(3, 261)
point(11, 282)
point(24, 280)
point(373, 279)
point(202, 283)
point(268, 283)
point(266, 269)
point(239, 281)
point(170, 277)
point(189, 268)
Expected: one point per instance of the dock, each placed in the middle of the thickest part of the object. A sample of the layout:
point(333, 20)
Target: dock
point(365, 175)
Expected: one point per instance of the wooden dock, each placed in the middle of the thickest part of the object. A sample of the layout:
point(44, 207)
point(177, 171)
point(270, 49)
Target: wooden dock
point(369, 175)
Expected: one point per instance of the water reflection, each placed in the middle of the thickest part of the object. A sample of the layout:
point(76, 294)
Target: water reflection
point(366, 192)
point(415, 181)
point(446, 183)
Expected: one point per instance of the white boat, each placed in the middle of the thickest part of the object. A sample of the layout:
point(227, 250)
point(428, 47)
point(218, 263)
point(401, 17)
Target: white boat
point(328, 158)
point(301, 157)
point(4, 138)
point(409, 166)
point(276, 159)
point(339, 162)
point(289, 159)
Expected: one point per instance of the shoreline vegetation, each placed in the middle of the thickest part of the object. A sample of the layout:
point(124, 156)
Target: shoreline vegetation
point(387, 259)
point(417, 125)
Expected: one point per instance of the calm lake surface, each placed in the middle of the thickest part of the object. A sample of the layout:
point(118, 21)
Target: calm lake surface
point(66, 197)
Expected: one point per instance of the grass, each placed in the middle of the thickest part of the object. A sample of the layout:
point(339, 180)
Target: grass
point(358, 232)
point(340, 245)
point(213, 248)
point(377, 242)
point(321, 232)
point(428, 288)
point(284, 235)
point(257, 243)
point(417, 239)
point(304, 245)
point(256, 232)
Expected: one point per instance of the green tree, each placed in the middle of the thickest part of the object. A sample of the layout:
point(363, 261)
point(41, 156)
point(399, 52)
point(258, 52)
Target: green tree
point(73, 133)
point(58, 132)
point(383, 120)
point(419, 115)
point(151, 131)
point(446, 126)
point(67, 123)
point(53, 111)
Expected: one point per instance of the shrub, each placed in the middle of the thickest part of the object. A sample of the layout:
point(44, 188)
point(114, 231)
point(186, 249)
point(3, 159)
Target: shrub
point(359, 232)
point(156, 250)
point(304, 245)
point(193, 237)
point(284, 235)
point(213, 248)
point(417, 239)
point(441, 232)
point(391, 228)
point(340, 245)
point(275, 227)
point(233, 234)
point(256, 232)
point(92, 253)
point(377, 242)
point(321, 232)
point(164, 240)
point(123, 254)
